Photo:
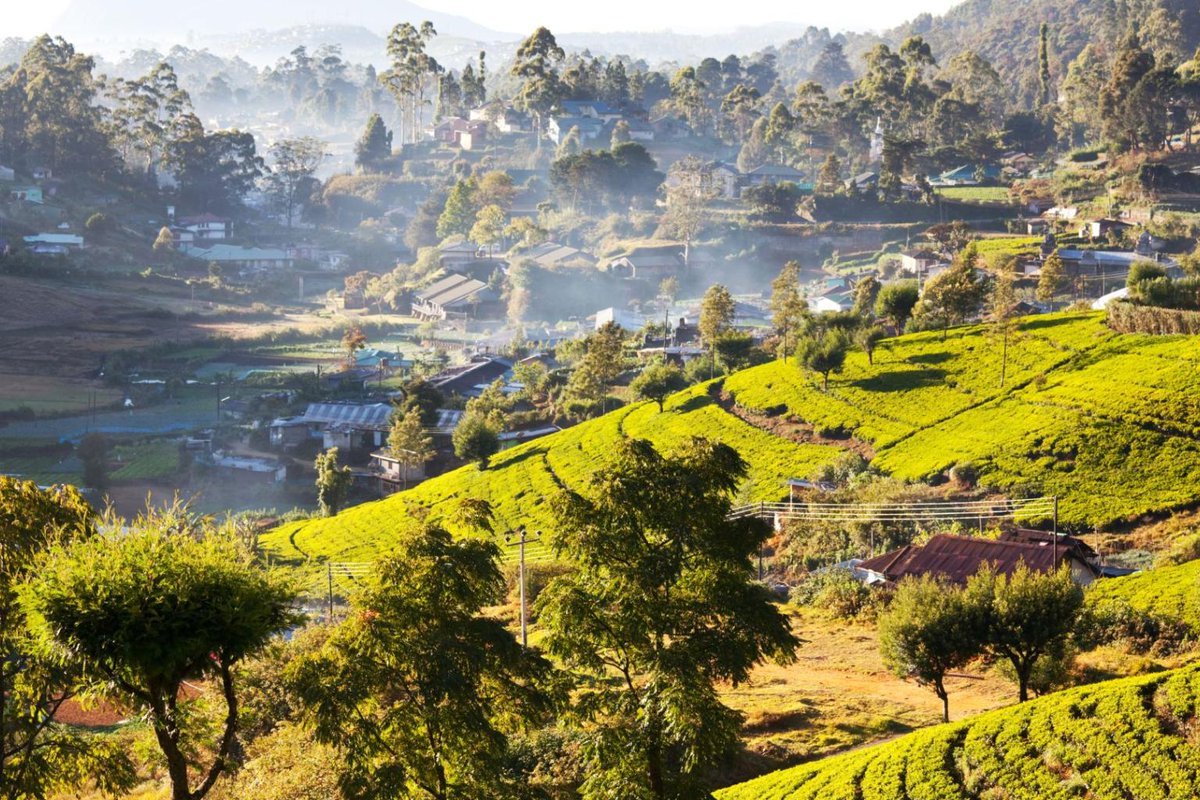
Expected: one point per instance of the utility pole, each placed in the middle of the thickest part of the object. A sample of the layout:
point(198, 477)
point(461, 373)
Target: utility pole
point(522, 540)
point(329, 576)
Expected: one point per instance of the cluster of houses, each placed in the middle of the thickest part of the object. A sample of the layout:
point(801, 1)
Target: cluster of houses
point(724, 180)
point(594, 120)
point(360, 429)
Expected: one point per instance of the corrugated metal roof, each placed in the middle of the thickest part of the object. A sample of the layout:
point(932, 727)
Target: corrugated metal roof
point(957, 558)
point(437, 287)
point(457, 293)
point(374, 415)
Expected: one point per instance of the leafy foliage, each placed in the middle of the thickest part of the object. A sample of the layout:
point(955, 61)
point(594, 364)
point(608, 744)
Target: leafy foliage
point(665, 602)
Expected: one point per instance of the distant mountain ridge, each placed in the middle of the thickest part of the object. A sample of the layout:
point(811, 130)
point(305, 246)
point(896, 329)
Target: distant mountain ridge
point(134, 20)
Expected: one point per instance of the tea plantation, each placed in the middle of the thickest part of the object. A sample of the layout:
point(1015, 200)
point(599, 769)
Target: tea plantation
point(1121, 739)
point(1108, 423)
point(1170, 592)
point(520, 482)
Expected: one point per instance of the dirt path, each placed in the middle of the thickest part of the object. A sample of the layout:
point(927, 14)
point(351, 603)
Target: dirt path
point(785, 427)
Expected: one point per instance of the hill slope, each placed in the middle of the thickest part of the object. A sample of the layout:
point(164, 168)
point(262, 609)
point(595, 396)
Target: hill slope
point(1120, 739)
point(1170, 592)
point(1110, 424)
point(519, 481)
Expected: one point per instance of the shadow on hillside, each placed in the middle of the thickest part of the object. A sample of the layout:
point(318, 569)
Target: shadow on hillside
point(1043, 322)
point(533, 452)
point(694, 404)
point(903, 381)
point(931, 358)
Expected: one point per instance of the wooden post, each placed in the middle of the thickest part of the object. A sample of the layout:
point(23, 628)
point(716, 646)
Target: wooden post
point(329, 577)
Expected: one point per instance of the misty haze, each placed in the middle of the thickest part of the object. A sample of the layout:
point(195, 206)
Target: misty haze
point(599, 403)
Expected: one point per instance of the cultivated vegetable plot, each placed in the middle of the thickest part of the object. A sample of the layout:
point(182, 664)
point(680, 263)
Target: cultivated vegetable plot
point(1118, 740)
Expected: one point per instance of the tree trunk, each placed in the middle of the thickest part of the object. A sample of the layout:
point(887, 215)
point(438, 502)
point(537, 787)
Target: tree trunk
point(658, 786)
point(940, 689)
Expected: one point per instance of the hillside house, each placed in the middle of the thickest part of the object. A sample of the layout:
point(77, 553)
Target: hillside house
point(59, 242)
point(919, 261)
point(206, 227)
point(957, 558)
point(27, 194)
point(1101, 228)
point(347, 426)
point(651, 265)
point(471, 379)
point(770, 174)
point(506, 120)
point(455, 295)
point(590, 130)
point(245, 258)
point(551, 255)
point(591, 109)
point(7, 174)
point(464, 133)
point(393, 475)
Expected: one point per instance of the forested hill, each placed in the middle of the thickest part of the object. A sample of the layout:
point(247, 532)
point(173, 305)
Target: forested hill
point(1121, 739)
point(1007, 33)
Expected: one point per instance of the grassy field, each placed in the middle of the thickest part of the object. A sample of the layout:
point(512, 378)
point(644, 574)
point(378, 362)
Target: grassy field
point(151, 459)
point(838, 695)
point(1108, 423)
point(521, 482)
point(975, 194)
point(1121, 739)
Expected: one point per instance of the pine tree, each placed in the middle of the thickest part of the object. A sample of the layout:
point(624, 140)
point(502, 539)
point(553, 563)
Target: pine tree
point(373, 146)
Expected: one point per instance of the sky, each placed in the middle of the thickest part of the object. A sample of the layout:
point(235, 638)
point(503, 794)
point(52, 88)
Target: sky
point(21, 18)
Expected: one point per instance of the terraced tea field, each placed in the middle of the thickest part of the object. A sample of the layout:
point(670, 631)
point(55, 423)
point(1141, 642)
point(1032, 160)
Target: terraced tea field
point(1108, 423)
point(1116, 740)
point(520, 482)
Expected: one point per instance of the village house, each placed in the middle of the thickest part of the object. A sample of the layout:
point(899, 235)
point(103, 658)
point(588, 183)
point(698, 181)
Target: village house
point(506, 120)
point(27, 194)
point(246, 258)
point(465, 133)
point(917, 262)
point(7, 173)
point(205, 227)
point(471, 379)
point(590, 129)
point(1100, 228)
point(455, 295)
point(957, 558)
point(650, 265)
point(551, 255)
point(770, 174)
point(393, 475)
point(347, 426)
point(53, 243)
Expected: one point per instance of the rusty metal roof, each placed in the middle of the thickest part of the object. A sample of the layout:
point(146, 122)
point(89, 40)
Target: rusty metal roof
point(957, 558)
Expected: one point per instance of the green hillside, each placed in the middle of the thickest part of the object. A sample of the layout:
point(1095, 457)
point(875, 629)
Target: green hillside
point(1121, 739)
point(519, 482)
point(1170, 592)
point(1109, 423)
